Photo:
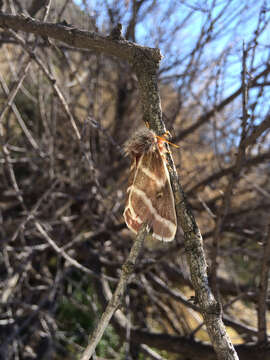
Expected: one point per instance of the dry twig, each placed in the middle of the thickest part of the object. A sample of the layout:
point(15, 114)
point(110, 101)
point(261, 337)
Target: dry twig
point(263, 290)
point(117, 297)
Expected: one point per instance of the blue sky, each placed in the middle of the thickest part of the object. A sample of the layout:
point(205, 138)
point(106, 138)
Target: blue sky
point(147, 29)
point(151, 28)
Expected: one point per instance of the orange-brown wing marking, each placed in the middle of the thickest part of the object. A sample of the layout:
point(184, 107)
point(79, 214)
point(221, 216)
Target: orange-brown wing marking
point(150, 198)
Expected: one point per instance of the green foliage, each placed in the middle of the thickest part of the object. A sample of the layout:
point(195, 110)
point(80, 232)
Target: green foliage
point(109, 339)
point(73, 316)
point(76, 319)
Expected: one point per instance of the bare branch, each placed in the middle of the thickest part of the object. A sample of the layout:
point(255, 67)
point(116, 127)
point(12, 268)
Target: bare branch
point(226, 203)
point(115, 301)
point(79, 38)
point(263, 290)
point(62, 253)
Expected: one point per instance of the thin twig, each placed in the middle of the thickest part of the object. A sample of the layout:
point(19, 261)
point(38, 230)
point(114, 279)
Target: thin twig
point(115, 301)
point(52, 80)
point(224, 209)
point(14, 108)
point(23, 72)
point(151, 353)
point(14, 90)
point(31, 214)
point(263, 290)
point(62, 253)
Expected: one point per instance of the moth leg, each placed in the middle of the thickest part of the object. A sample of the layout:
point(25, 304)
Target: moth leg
point(167, 135)
point(165, 139)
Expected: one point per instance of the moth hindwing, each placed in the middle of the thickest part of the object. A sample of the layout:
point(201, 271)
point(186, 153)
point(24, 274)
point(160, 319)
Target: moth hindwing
point(149, 195)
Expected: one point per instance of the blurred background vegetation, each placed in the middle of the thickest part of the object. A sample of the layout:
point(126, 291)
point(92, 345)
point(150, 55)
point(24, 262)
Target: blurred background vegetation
point(76, 188)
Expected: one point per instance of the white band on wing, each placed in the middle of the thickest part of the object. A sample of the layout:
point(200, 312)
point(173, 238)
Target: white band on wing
point(148, 202)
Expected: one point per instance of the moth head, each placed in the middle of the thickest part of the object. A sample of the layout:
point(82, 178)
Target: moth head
point(143, 140)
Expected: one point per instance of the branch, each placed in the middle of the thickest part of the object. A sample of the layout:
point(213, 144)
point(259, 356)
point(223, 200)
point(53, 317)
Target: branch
point(36, 6)
point(116, 299)
point(14, 108)
point(263, 286)
point(70, 35)
point(186, 346)
point(68, 258)
point(210, 309)
point(193, 349)
point(208, 115)
point(223, 172)
point(239, 161)
point(257, 131)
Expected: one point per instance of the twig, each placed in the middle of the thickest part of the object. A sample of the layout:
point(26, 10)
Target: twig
point(23, 72)
point(252, 161)
point(146, 73)
point(66, 256)
point(263, 290)
point(16, 112)
point(36, 312)
point(180, 344)
point(52, 81)
point(33, 211)
point(115, 301)
point(17, 85)
point(151, 353)
point(208, 115)
point(63, 102)
point(224, 209)
point(209, 307)
point(167, 314)
point(176, 295)
point(244, 93)
point(79, 38)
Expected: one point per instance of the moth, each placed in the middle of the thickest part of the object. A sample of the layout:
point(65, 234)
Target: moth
point(149, 194)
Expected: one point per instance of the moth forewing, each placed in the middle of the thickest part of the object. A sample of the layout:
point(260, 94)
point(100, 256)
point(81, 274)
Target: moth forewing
point(150, 197)
point(162, 200)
